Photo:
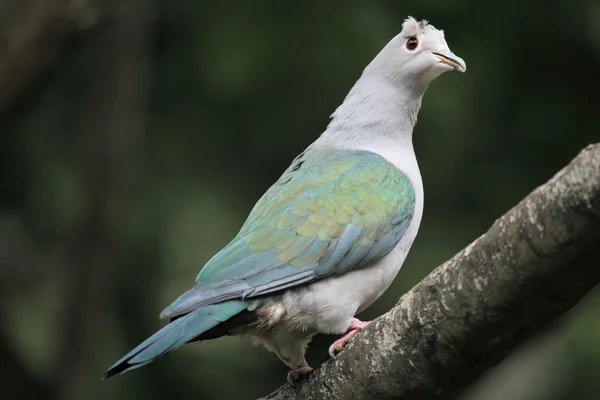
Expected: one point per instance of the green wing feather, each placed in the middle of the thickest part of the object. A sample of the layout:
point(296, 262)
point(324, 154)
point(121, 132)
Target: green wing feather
point(332, 211)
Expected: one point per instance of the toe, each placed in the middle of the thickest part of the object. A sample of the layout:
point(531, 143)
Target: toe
point(334, 349)
point(298, 374)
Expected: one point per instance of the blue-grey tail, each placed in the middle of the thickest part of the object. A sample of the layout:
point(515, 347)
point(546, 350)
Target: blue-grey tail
point(178, 332)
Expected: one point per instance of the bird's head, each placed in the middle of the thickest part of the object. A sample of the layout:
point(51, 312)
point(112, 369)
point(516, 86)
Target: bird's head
point(418, 55)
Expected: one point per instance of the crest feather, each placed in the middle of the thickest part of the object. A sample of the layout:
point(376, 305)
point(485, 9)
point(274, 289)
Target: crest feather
point(412, 27)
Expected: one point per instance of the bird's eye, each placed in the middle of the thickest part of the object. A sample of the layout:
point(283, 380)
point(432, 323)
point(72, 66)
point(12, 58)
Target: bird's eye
point(412, 43)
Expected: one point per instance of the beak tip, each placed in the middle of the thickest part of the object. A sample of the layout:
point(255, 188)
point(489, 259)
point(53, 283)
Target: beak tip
point(449, 58)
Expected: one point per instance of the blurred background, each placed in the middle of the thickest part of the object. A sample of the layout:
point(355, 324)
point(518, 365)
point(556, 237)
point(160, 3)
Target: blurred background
point(136, 136)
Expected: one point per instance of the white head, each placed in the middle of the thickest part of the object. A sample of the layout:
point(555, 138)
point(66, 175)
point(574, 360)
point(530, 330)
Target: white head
point(385, 101)
point(416, 56)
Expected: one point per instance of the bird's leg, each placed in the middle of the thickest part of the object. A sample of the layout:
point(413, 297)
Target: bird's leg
point(356, 326)
point(298, 373)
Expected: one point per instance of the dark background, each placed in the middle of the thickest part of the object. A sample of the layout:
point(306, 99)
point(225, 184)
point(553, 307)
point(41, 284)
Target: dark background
point(140, 154)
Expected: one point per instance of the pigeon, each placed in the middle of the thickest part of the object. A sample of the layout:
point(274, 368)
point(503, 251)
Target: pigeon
point(329, 237)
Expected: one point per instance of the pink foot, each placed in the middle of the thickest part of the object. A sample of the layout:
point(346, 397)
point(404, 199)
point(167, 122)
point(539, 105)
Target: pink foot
point(298, 374)
point(356, 326)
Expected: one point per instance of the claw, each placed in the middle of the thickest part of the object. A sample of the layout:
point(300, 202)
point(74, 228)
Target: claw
point(298, 374)
point(356, 326)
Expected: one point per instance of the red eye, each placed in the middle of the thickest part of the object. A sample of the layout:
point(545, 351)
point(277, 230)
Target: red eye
point(412, 43)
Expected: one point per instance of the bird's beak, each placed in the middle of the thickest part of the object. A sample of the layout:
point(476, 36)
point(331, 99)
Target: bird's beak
point(449, 58)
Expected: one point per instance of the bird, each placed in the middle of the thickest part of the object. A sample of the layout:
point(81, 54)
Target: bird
point(330, 235)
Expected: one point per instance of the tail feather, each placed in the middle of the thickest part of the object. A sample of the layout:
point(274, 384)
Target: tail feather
point(175, 334)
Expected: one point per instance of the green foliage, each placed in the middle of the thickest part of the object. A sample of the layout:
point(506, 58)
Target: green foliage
point(127, 190)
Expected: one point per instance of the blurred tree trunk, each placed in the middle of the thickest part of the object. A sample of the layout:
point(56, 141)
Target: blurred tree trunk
point(33, 38)
point(533, 264)
point(111, 126)
point(33, 34)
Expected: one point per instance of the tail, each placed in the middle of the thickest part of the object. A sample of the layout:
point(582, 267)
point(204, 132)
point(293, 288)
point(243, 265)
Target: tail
point(177, 333)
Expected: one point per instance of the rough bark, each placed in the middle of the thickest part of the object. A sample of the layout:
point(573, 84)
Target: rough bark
point(33, 34)
point(532, 265)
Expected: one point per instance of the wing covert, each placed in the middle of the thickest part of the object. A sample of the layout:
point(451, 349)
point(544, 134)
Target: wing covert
point(329, 213)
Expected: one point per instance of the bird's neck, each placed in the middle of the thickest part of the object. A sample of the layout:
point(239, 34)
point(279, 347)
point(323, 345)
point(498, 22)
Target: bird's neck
point(379, 117)
point(376, 113)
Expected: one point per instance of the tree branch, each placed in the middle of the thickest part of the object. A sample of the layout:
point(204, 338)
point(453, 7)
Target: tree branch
point(533, 264)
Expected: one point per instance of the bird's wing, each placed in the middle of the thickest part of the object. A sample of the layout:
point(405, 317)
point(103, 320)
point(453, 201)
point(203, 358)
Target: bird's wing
point(332, 211)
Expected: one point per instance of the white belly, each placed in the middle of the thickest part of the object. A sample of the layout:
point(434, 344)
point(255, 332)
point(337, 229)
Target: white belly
point(288, 322)
point(328, 305)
